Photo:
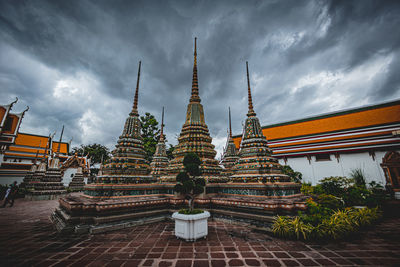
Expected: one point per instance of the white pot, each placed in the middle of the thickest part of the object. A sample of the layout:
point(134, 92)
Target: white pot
point(191, 227)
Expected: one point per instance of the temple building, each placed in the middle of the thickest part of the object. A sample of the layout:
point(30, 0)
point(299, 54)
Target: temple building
point(230, 155)
point(9, 127)
point(75, 169)
point(334, 144)
point(23, 154)
point(194, 137)
point(160, 160)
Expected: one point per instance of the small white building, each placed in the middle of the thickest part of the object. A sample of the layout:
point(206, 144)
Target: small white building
point(70, 167)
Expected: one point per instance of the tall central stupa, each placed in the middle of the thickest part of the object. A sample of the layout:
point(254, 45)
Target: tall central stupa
point(194, 137)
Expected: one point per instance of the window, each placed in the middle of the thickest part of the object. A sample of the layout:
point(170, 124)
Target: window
point(72, 175)
point(322, 157)
point(8, 124)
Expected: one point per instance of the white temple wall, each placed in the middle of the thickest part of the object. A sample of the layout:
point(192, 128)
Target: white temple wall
point(315, 170)
point(67, 178)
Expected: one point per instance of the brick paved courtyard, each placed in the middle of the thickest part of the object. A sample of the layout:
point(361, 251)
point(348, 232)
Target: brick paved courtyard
point(27, 238)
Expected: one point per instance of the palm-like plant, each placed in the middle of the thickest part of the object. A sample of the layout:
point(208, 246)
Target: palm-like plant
point(282, 227)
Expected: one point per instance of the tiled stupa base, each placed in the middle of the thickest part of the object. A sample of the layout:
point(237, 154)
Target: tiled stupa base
point(106, 207)
point(45, 195)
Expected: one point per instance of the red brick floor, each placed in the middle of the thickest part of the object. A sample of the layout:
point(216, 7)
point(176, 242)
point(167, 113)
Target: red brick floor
point(27, 238)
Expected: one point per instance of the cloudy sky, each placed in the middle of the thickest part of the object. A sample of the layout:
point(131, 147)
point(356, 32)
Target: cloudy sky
point(75, 62)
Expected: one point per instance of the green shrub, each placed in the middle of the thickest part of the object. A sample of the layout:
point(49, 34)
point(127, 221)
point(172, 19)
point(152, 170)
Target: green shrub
point(335, 185)
point(358, 176)
point(356, 196)
point(337, 225)
point(294, 176)
point(190, 212)
point(187, 183)
point(282, 227)
point(329, 201)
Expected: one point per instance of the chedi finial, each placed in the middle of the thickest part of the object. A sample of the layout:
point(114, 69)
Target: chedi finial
point(135, 102)
point(251, 110)
point(195, 83)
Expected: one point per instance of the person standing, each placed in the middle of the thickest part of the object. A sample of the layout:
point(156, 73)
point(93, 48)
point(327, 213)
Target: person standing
point(10, 194)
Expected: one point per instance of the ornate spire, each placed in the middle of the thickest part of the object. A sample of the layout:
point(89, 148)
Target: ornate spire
point(230, 125)
point(59, 143)
point(195, 86)
point(135, 102)
point(162, 126)
point(251, 110)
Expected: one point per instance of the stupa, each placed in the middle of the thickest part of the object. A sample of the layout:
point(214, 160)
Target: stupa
point(256, 163)
point(27, 182)
point(194, 137)
point(160, 159)
point(77, 183)
point(230, 156)
point(40, 171)
point(128, 163)
point(50, 185)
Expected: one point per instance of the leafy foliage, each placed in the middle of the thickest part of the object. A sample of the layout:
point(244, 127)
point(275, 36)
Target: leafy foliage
point(358, 176)
point(170, 149)
point(328, 216)
point(150, 134)
point(96, 152)
point(335, 185)
point(190, 212)
point(338, 225)
point(187, 182)
point(294, 176)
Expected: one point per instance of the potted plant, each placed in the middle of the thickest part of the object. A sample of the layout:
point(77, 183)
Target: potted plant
point(190, 224)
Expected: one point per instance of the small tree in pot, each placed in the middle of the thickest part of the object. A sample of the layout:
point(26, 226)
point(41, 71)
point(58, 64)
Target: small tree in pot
point(188, 182)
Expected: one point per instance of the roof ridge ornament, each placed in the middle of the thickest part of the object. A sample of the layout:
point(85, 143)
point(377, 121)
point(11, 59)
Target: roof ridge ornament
point(251, 110)
point(59, 143)
point(15, 101)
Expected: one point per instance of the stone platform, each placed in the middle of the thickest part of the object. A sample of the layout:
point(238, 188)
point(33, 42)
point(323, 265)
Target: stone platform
point(106, 207)
point(27, 238)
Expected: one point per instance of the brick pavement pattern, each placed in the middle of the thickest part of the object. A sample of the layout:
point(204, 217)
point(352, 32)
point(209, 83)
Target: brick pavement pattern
point(27, 238)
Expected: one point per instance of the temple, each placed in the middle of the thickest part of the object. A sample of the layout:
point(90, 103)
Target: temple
point(128, 193)
point(194, 137)
point(230, 156)
point(75, 171)
point(160, 159)
point(49, 185)
point(128, 163)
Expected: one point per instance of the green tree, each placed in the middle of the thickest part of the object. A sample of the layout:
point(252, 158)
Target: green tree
point(187, 182)
point(294, 176)
point(150, 134)
point(169, 151)
point(96, 152)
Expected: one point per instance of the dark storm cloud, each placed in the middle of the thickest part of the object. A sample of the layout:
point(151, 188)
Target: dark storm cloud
point(75, 62)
